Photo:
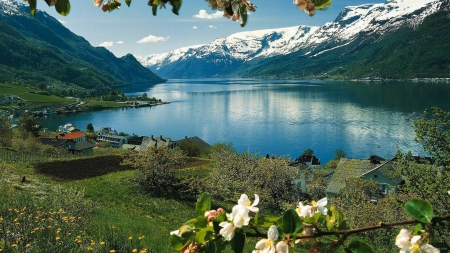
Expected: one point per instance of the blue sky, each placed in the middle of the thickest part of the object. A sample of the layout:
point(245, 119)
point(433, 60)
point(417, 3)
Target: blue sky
point(121, 30)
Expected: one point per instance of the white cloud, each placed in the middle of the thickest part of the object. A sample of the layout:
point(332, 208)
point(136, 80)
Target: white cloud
point(204, 15)
point(194, 27)
point(106, 44)
point(119, 42)
point(212, 27)
point(61, 21)
point(152, 38)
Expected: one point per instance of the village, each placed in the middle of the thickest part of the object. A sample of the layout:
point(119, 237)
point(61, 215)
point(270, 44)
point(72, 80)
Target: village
point(374, 167)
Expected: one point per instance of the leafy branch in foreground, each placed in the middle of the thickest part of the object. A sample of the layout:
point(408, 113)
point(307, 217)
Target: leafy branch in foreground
point(215, 230)
point(236, 9)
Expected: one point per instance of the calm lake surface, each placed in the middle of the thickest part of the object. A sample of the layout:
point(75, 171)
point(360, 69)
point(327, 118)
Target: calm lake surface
point(277, 117)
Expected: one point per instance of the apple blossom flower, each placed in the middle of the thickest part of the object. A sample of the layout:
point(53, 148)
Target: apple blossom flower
point(408, 243)
point(282, 247)
point(245, 202)
point(308, 211)
point(227, 230)
point(267, 245)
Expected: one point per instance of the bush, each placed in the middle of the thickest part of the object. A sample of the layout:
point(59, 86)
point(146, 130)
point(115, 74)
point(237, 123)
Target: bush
point(155, 170)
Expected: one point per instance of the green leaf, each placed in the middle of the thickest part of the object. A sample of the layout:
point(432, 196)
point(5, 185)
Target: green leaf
point(128, 2)
point(179, 241)
point(238, 242)
point(229, 10)
point(335, 220)
point(417, 229)
point(203, 204)
point(291, 222)
point(217, 246)
point(32, 4)
point(358, 247)
point(49, 2)
point(420, 210)
point(176, 5)
point(201, 222)
point(267, 221)
point(204, 235)
point(62, 7)
point(243, 12)
point(321, 4)
point(155, 7)
point(221, 217)
point(312, 219)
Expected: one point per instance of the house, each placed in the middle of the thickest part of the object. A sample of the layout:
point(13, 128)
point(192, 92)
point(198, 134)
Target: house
point(116, 141)
point(193, 140)
point(107, 131)
point(14, 97)
point(367, 169)
point(84, 146)
point(72, 136)
point(144, 142)
point(309, 160)
point(67, 128)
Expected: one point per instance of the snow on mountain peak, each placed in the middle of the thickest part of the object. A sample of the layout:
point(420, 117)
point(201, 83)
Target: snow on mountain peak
point(247, 46)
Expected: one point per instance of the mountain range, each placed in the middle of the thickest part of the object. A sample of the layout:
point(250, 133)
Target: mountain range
point(397, 39)
point(41, 49)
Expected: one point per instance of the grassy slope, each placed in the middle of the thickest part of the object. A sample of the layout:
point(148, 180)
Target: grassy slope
point(25, 93)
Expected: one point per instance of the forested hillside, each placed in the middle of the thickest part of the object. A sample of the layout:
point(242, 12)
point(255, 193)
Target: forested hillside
point(40, 49)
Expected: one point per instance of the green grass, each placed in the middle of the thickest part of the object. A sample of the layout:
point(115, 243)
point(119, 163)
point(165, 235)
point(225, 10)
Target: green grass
point(131, 213)
point(28, 95)
point(95, 105)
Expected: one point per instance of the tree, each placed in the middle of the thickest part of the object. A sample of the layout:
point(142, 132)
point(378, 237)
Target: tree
point(271, 178)
point(90, 128)
point(155, 170)
point(308, 152)
point(338, 154)
point(237, 9)
point(5, 132)
point(27, 125)
point(433, 132)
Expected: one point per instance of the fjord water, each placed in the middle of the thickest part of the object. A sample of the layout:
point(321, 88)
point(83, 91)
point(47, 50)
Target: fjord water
point(278, 117)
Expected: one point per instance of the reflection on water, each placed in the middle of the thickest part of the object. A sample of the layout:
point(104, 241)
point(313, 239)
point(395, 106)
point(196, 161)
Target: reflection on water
point(277, 116)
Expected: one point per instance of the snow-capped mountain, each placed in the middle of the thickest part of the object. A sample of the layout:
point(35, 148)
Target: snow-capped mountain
point(225, 56)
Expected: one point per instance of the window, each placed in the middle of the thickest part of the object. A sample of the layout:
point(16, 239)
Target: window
point(383, 188)
point(375, 176)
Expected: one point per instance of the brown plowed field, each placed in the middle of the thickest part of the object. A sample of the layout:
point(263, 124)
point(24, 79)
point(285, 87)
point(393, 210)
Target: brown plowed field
point(64, 171)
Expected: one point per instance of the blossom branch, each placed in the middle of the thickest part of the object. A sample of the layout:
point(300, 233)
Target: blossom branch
point(364, 229)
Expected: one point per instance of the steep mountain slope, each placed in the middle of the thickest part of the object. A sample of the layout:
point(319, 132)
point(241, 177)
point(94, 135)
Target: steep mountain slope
point(361, 42)
point(94, 66)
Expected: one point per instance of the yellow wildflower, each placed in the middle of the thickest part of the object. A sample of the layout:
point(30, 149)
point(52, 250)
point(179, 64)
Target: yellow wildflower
point(130, 238)
point(28, 245)
point(13, 245)
point(112, 251)
point(134, 250)
point(57, 238)
point(102, 243)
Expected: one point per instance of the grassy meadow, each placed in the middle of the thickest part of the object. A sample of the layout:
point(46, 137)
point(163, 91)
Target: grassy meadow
point(32, 98)
point(102, 212)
